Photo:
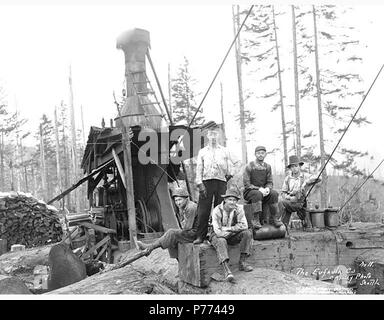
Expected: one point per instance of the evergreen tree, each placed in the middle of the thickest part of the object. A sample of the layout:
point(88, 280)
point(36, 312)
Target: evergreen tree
point(183, 94)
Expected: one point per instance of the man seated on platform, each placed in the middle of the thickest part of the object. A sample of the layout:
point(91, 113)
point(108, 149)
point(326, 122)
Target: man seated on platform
point(258, 184)
point(293, 191)
point(230, 227)
point(172, 237)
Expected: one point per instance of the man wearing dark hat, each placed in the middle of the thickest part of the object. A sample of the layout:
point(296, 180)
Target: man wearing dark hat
point(230, 227)
point(172, 237)
point(214, 169)
point(293, 190)
point(258, 184)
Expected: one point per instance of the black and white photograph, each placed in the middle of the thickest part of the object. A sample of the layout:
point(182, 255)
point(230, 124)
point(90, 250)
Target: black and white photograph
point(193, 151)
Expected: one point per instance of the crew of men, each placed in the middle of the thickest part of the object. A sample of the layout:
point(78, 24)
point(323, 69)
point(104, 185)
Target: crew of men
point(228, 220)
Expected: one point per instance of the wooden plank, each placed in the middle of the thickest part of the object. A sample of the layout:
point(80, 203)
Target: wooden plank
point(305, 253)
point(3, 246)
point(96, 227)
point(95, 247)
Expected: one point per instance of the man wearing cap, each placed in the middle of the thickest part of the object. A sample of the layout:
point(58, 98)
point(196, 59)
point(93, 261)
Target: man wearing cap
point(258, 184)
point(295, 185)
point(172, 237)
point(214, 169)
point(230, 227)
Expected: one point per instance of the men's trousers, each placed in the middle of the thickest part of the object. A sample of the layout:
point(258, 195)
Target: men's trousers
point(172, 237)
point(221, 244)
point(215, 189)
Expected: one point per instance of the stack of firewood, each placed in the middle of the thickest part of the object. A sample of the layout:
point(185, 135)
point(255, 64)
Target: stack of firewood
point(28, 221)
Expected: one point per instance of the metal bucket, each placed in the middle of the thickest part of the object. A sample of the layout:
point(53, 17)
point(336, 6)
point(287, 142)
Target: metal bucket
point(317, 218)
point(331, 217)
point(123, 245)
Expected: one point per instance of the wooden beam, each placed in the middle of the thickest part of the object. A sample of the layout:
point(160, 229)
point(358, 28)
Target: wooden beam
point(97, 227)
point(95, 247)
point(119, 167)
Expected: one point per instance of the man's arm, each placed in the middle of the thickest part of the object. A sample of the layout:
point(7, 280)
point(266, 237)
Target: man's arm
point(269, 183)
point(199, 167)
point(242, 223)
point(247, 178)
point(285, 189)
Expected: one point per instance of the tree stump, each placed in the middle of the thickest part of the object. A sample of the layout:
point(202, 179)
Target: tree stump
point(12, 285)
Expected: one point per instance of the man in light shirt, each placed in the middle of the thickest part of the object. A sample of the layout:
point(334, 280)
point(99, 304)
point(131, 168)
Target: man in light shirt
point(293, 191)
point(214, 169)
point(230, 227)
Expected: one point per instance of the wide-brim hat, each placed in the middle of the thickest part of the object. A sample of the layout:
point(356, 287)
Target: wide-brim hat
point(294, 160)
point(232, 193)
point(180, 192)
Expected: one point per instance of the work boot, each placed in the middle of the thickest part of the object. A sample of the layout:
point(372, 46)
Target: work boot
point(227, 272)
point(148, 247)
point(256, 221)
point(257, 210)
point(274, 209)
point(243, 266)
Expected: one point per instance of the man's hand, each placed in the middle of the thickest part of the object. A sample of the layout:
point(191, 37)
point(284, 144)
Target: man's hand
point(202, 190)
point(223, 234)
point(267, 191)
point(264, 191)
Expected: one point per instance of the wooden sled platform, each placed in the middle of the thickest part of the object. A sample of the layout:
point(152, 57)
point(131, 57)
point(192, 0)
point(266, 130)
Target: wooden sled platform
point(319, 254)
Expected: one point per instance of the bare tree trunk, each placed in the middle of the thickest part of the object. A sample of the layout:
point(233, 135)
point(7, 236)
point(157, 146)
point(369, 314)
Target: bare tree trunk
point(73, 143)
point(2, 183)
point(82, 125)
point(23, 166)
point(323, 189)
point(169, 92)
point(296, 77)
point(42, 161)
point(236, 26)
point(34, 181)
point(58, 168)
point(280, 92)
point(66, 162)
point(222, 114)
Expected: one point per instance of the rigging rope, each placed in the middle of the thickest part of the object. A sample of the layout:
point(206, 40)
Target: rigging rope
point(369, 176)
point(221, 65)
point(346, 129)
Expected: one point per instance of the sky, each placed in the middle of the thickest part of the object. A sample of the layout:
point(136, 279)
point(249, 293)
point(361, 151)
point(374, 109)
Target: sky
point(40, 41)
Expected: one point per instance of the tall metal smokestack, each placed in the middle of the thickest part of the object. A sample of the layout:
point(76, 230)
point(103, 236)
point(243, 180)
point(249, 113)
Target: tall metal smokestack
point(137, 111)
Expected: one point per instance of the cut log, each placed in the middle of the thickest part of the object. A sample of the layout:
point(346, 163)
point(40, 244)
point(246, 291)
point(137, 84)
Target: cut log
point(22, 263)
point(155, 274)
point(12, 285)
point(65, 267)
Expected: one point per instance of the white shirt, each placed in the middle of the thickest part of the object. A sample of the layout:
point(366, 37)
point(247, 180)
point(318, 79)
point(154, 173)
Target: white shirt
point(213, 163)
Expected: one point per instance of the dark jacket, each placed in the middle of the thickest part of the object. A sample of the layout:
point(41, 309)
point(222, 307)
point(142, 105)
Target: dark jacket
point(257, 175)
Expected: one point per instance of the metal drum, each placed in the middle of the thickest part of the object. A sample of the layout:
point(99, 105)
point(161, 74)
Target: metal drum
point(269, 232)
point(331, 217)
